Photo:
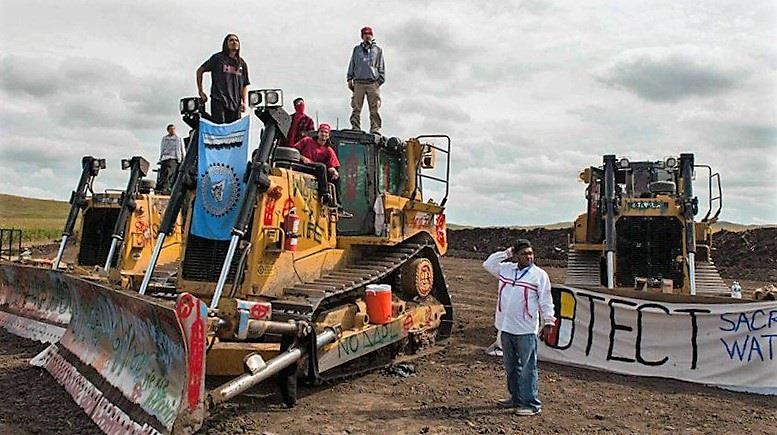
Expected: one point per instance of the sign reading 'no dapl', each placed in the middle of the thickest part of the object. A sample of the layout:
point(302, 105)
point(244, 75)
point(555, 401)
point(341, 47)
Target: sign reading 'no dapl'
point(732, 346)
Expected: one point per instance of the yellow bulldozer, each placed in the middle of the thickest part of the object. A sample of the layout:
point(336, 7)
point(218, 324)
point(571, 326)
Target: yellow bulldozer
point(639, 229)
point(314, 280)
point(117, 227)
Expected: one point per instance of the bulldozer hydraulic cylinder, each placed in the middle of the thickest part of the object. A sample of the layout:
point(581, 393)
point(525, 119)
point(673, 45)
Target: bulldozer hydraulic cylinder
point(273, 367)
point(61, 250)
point(138, 167)
point(257, 328)
point(609, 201)
point(160, 241)
point(114, 243)
point(90, 167)
point(686, 173)
point(258, 181)
point(224, 271)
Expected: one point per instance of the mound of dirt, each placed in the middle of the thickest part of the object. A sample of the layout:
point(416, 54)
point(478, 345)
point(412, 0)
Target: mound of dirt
point(550, 246)
point(750, 255)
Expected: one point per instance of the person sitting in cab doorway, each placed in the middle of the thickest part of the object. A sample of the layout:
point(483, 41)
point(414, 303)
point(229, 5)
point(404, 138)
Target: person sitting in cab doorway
point(301, 124)
point(318, 151)
point(524, 289)
point(229, 82)
point(170, 156)
point(366, 74)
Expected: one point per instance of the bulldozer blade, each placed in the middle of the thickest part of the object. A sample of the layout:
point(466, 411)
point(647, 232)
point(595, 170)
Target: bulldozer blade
point(34, 303)
point(132, 363)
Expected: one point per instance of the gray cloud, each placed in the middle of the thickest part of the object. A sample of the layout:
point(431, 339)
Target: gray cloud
point(20, 75)
point(668, 74)
point(431, 49)
point(527, 101)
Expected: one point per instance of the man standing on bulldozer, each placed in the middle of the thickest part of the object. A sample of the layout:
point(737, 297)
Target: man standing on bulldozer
point(170, 156)
point(366, 74)
point(524, 289)
point(229, 82)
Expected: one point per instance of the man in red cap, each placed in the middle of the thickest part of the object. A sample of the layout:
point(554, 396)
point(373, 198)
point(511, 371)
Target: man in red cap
point(318, 151)
point(366, 74)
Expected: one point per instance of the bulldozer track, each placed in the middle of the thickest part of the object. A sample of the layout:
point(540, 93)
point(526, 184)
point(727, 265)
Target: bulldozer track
point(708, 280)
point(302, 301)
point(381, 359)
point(583, 268)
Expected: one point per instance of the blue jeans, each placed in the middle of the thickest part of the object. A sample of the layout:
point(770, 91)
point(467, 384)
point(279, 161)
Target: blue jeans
point(520, 361)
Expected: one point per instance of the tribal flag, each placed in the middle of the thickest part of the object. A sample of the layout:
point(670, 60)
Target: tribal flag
point(223, 155)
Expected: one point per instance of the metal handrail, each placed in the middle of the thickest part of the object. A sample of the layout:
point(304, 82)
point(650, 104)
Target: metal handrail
point(420, 176)
point(710, 197)
point(719, 197)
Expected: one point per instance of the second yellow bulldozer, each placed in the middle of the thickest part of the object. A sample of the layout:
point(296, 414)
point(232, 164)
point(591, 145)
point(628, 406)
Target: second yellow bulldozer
point(639, 228)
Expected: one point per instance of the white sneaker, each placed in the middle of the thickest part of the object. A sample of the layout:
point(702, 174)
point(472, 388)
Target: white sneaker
point(494, 350)
point(527, 412)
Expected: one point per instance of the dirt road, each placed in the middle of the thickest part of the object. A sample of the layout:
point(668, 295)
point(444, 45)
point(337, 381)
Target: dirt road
point(453, 391)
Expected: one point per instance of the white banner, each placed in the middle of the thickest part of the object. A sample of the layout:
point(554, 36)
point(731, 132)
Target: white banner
point(732, 346)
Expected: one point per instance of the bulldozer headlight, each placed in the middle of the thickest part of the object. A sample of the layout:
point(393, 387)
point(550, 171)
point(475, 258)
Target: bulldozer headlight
point(254, 98)
point(670, 163)
point(190, 105)
point(98, 164)
point(623, 163)
point(125, 164)
point(265, 98)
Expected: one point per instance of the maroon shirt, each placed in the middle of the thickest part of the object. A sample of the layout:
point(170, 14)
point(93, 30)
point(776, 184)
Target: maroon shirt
point(318, 153)
point(300, 123)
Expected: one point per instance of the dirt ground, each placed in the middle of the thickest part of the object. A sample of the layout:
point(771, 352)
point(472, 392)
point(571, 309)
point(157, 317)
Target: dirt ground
point(453, 391)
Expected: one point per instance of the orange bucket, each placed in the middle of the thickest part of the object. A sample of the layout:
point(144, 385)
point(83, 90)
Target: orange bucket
point(378, 300)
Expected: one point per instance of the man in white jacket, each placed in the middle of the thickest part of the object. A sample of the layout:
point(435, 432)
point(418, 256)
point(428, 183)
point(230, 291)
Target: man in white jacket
point(524, 293)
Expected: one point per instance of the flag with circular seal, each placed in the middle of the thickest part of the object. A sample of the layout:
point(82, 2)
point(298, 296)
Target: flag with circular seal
point(223, 155)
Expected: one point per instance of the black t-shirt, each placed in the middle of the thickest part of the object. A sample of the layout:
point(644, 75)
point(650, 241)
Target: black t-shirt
point(228, 76)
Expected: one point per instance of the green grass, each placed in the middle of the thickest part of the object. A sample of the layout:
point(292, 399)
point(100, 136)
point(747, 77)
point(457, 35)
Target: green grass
point(39, 219)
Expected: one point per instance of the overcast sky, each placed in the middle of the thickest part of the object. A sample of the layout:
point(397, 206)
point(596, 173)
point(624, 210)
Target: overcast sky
point(530, 91)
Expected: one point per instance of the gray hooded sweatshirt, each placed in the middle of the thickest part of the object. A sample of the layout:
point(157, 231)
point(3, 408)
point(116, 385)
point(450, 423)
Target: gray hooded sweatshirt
point(367, 64)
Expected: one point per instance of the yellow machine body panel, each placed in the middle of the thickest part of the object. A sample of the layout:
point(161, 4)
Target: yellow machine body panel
point(141, 232)
point(270, 266)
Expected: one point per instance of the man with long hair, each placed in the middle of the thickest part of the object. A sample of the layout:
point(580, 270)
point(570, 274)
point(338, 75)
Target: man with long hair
point(229, 82)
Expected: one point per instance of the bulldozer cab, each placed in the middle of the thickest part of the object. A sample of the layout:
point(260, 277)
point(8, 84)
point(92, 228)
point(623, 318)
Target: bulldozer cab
point(368, 168)
point(382, 184)
point(648, 179)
